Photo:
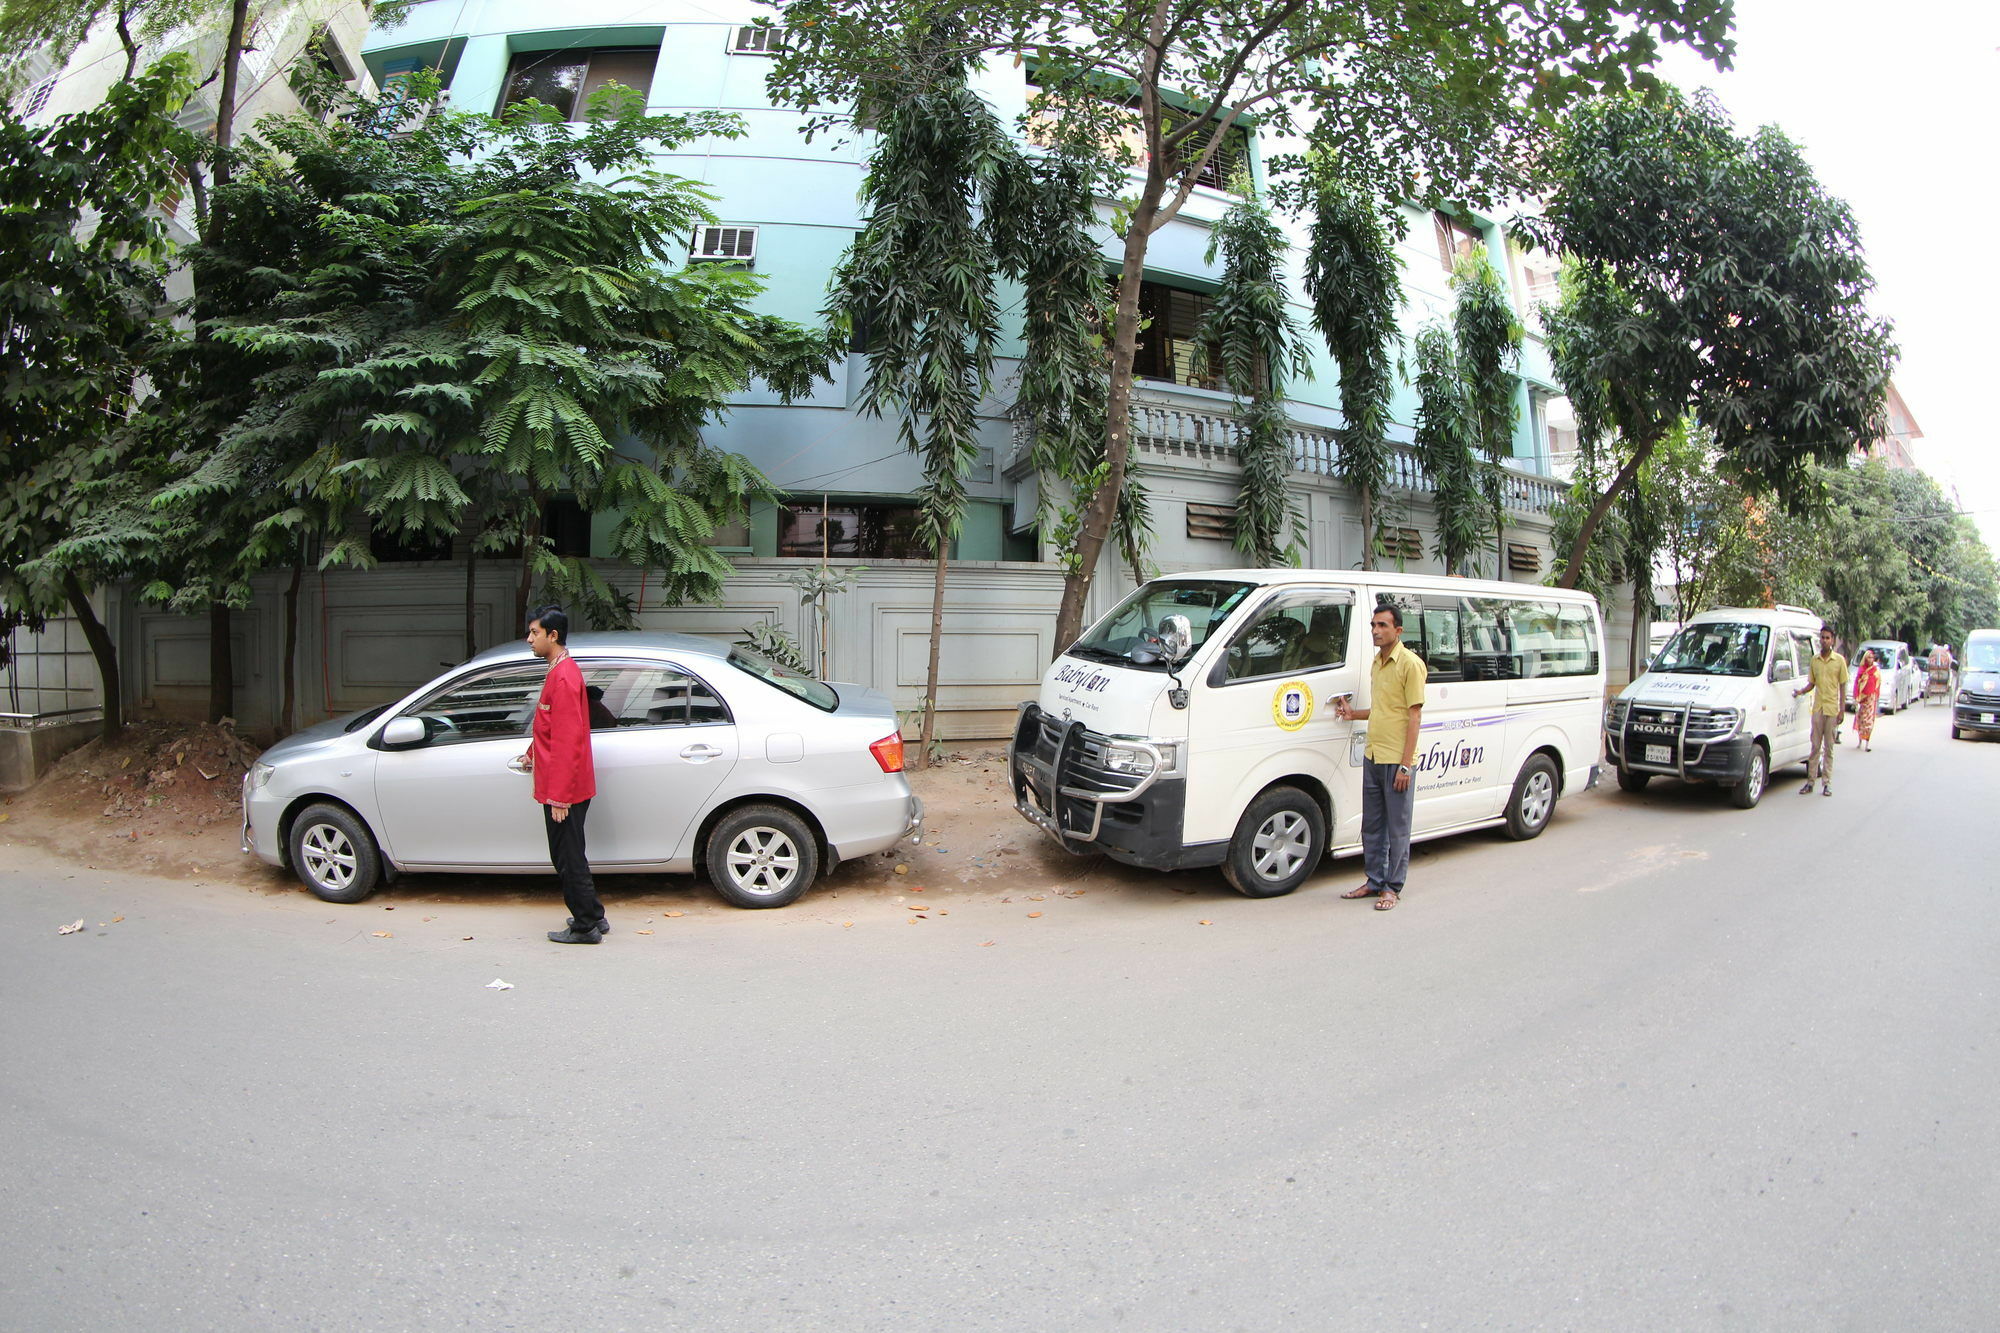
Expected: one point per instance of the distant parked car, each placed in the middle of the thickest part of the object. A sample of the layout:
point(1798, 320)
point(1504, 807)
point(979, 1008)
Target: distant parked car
point(706, 756)
point(1902, 674)
point(1975, 708)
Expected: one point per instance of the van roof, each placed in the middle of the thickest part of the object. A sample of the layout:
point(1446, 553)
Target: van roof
point(1759, 615)
point(1384, 579)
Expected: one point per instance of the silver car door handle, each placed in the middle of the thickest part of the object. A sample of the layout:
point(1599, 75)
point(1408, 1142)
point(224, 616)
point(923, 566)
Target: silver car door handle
point(519, 763)
point(701, 752)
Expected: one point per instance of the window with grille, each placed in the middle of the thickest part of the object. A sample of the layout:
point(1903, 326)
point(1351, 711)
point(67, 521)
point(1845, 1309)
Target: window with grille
point(1170, 347)
point(725, 245)
point(1457, 238)
point(566, 79)
point(1400, 544)
point(751, 40)
point(1216, 522)
point(36, 99)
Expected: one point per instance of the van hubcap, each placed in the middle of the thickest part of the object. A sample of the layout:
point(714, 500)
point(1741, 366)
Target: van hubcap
point(1281, 845)
point(762, 860)
point(1537, 799)
point(328, 855)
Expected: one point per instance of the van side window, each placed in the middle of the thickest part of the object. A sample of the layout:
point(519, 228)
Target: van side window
point(1438, 638)
point(1557, 639)
point(1297, 632)
point(1488, 648)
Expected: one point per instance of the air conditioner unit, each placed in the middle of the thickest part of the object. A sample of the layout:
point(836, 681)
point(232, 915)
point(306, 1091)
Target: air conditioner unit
point(751, 40)
point(725, 245)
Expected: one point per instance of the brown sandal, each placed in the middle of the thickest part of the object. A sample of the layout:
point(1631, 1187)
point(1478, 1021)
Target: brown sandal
point(1363, 892)
point(1386, 901)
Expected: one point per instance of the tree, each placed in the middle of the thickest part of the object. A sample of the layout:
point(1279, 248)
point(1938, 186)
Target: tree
point(477, 313)
point(1255, 345)
point(1714, 278)
point(1444, 445)
point(1356, 289)
point(1415, 99)
point(1488, 340)
point(922, 269)
point(82, 302)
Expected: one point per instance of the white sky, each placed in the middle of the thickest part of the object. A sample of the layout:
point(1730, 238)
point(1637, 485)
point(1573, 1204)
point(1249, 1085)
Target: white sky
point(1895, 105)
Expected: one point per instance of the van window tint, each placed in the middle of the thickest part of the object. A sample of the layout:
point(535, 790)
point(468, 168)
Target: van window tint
point(1718, 648)
point(1499, 638)
point(1566, 642)
point(1437, 642)
point(1205, 602)
point(1297, 632)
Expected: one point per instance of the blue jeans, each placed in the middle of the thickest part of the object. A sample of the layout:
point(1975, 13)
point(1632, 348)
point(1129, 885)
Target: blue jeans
point(1385, 825)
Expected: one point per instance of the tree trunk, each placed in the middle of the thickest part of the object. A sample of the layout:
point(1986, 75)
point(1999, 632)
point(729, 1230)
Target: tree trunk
point(225, 99)
point(929, 728)
point(1095, 529)
point(471, 589)
point(288, 720)
point(221, 664)
point(1595, 520)
point(124, 24)
point(1642, 632)
point(103, 650)
point(531, 535)
point(1367, 527)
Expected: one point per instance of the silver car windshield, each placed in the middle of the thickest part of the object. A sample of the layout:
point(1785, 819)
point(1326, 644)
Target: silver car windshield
point(817, 693)
point(1205, 602)
point(1720, 648)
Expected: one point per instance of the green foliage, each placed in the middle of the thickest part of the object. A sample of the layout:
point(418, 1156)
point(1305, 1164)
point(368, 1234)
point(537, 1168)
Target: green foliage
point(1444, 445)
point(771, 639)
point(1355, 285)
point(1256, 346)
point(1488, 339)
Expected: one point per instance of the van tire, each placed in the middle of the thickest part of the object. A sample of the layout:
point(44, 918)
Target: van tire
point(1533, 803)
point(334, 854)
point(1278, 843)
point(1631, 781)
point(1756, 776)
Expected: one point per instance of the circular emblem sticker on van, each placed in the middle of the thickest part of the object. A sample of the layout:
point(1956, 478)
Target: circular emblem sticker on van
point(1292, 705)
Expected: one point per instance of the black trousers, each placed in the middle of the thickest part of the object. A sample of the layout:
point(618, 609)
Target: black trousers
point(572, 865)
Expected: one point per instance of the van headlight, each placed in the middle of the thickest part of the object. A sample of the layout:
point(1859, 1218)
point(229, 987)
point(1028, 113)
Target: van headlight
point(1614, 714)
point(260, 773)
point(1128, 759)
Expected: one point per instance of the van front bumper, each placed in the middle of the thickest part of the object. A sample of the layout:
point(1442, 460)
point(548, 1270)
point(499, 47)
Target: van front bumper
point(1089, 809)
point(1723, 762)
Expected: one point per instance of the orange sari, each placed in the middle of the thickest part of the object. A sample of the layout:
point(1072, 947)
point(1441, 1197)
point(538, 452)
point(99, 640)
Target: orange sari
point(1867, 698)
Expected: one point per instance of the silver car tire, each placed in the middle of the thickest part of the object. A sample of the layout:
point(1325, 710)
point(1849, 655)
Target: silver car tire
point(761, 856)
point(334, 854)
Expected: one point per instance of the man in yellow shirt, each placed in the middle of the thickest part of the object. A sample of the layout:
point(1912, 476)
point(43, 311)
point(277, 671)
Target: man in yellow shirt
point(1826, 681)
point(1395, 715)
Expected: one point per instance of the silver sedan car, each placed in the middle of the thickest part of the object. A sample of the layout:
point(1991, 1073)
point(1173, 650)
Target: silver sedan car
point(706, 756)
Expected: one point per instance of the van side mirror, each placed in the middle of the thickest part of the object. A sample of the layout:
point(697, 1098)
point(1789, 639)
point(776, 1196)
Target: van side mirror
point(404, 731)
point(1176, 634)
point(1781, 671)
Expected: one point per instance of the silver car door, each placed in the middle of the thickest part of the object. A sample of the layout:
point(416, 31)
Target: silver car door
point(454, 799)
point(663, 742)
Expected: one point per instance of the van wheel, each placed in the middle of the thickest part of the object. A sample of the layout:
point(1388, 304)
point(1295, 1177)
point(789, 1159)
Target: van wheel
point(1748, 792)
point(1954, 733)
point(1534, 800)
point(1278, 842)
point(1631, 781)
point(334, 854)
point(761, 856)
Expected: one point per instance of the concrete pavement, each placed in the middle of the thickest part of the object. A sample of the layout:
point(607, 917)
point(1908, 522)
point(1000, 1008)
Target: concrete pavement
point(1672, 1065)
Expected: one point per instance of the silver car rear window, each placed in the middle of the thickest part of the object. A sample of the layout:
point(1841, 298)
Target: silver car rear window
point(817, 693)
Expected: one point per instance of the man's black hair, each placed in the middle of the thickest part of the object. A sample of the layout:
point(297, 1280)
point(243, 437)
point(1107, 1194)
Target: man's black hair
point(554, 620)
point(1395, 613)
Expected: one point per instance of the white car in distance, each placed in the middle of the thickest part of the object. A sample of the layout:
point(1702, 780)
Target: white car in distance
point(707, 757)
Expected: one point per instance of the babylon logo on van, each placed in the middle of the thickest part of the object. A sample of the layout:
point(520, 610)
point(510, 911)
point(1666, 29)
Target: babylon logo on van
point(1087, 679)
point(1444, 756)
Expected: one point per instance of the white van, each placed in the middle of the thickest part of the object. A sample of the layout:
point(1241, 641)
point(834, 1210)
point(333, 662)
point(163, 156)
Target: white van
point(1194, 725)
point(1719, 703)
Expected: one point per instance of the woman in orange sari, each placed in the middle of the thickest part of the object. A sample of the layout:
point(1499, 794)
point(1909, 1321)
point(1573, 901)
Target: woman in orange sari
point(1867, 699)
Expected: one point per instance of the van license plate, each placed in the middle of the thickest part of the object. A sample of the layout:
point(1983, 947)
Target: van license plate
point(1986, 719)
point(1659, 754)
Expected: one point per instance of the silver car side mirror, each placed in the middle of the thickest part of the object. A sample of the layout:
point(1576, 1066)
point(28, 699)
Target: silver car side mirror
point(1175, 637)
point(405, 731)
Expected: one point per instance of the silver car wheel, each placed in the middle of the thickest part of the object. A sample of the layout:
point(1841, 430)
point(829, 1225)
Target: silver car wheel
point(762, 860)
point(1538, 798)
point(328, 856)
point(1281, 845)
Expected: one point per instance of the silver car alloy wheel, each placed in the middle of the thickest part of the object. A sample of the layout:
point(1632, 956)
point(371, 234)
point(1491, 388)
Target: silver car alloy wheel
point(1281, 845)
point(1538, 798)
point(328, 855)
point(762, 860)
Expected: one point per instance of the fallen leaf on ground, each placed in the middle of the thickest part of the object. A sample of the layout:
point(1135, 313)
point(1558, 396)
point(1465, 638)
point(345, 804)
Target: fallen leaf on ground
point(942, 912)
point(5, 818)
point(497, 984)
point(673, 914)
point(847, 925)
point(72, 928)
point(1036, 897)
point(1034, 914)
point(1204, 923)
point(116, 919)
point(642, 932)
point(987, 944)
point(902, 870)
point(430, 918)
point(384, 935)
point(462, 937)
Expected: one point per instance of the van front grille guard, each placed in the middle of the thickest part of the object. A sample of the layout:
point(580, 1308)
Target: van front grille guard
point(1061, 768)
point(1676, 716)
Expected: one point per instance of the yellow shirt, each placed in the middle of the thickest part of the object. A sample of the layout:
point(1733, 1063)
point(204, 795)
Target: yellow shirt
point(1829, 680)
point(1395, 687)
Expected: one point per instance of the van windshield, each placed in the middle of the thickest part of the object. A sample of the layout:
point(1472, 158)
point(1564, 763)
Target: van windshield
point(1205, 602)
point(1721, 648)
point(1983, 655)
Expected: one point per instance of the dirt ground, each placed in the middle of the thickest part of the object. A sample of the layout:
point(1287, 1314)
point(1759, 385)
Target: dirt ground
point(165, 800)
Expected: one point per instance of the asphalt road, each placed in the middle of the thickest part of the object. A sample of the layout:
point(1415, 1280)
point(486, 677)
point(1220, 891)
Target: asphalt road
point(1671, 1066)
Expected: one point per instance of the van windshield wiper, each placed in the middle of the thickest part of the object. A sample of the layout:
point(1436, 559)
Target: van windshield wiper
point(1100, 655)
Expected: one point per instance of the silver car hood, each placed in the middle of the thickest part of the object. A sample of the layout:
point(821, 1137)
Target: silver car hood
point(312, 738)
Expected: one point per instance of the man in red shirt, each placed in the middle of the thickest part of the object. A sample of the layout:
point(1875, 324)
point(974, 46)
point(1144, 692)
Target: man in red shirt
point(559, 757)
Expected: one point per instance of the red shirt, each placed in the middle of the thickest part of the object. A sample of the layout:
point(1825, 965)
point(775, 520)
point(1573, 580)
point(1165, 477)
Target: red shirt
point(560, 742)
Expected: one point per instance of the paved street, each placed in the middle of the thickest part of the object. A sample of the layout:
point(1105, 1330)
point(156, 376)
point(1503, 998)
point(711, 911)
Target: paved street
point(1673, 1065)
